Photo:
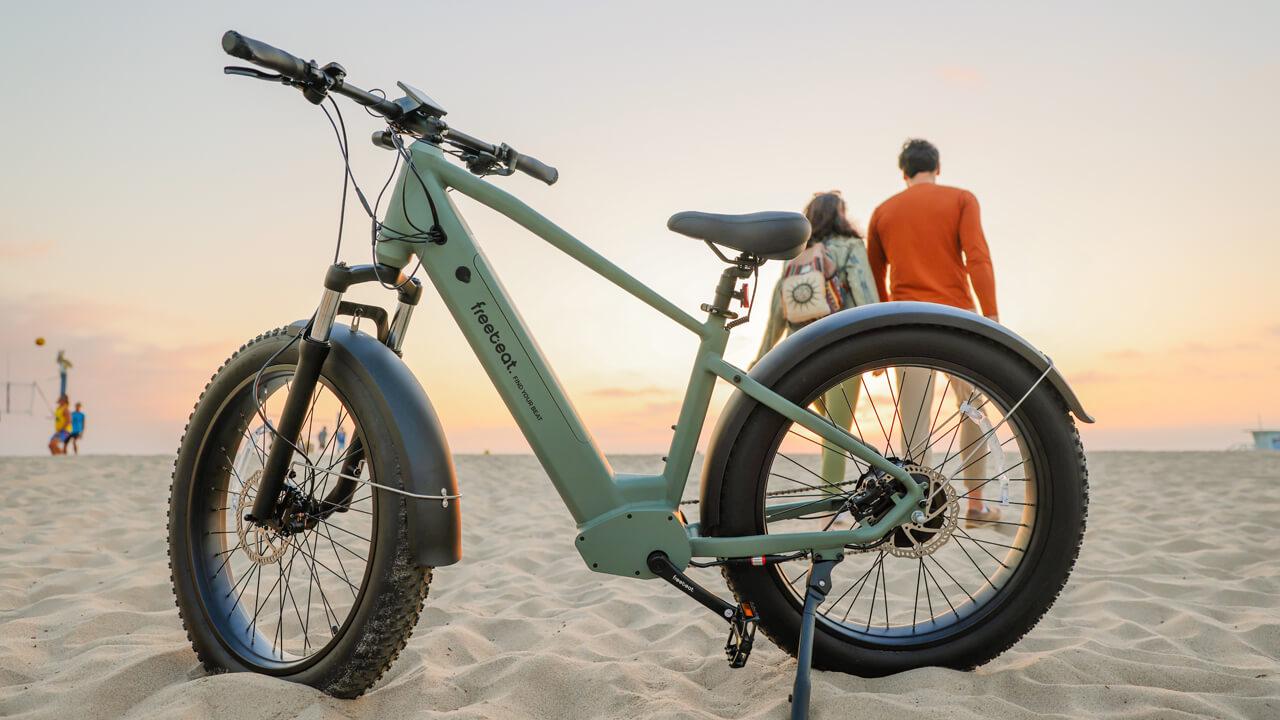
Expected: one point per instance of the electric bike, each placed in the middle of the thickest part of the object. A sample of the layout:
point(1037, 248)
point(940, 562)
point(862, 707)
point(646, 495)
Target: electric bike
point(893, 486)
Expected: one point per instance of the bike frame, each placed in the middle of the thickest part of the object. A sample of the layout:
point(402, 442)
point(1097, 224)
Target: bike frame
point(621, 517)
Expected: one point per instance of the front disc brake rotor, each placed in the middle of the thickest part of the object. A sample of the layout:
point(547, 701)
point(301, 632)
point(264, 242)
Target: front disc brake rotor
point(263, 545)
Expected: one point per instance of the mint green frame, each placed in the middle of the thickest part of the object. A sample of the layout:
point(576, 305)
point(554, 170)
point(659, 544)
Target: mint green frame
point(594, 494)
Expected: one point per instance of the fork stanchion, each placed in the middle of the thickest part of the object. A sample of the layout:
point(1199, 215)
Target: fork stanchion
point(816, 591)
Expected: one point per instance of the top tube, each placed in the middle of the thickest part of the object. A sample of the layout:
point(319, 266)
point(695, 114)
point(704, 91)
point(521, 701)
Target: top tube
point(512, 207)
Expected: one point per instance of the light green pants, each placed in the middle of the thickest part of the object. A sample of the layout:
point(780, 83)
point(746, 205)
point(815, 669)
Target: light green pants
point(838, 404)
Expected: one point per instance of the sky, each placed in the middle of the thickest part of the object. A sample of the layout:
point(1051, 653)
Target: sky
point(156, 214)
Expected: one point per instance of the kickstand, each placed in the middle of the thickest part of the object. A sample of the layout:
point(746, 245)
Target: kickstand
point(818, 586)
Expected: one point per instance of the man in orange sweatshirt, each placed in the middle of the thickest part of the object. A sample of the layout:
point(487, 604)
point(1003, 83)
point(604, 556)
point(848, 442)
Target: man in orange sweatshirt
point(929, 240)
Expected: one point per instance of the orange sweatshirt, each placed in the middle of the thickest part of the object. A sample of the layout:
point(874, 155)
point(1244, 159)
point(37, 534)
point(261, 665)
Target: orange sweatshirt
point(931, 237)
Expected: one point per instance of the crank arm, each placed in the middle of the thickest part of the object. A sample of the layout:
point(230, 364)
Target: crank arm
point(661, 565)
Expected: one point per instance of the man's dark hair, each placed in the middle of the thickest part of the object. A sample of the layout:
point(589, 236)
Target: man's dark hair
point(917, 156)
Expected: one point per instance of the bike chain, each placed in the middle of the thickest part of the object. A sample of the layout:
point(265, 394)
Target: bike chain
point(796, 491)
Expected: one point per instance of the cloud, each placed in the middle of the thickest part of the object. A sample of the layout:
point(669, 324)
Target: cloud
point(1091, 377)
point(13, 251)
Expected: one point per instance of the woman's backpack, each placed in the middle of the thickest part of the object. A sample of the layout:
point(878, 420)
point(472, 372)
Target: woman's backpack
point(810, 286)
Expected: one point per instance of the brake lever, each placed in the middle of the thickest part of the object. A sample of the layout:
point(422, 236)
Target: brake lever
point(481, 164)
point(257, 74)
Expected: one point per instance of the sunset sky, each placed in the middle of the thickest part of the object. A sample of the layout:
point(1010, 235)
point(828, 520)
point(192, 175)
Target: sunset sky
point(155, 214)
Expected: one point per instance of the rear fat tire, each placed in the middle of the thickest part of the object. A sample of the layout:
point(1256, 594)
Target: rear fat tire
point(1051, 553)
point(395, 587)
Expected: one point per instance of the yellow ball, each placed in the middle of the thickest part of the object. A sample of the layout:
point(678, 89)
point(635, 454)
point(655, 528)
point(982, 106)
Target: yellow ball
point(40, 341)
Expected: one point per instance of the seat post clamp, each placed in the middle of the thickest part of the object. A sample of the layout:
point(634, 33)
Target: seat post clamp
point(721, 312)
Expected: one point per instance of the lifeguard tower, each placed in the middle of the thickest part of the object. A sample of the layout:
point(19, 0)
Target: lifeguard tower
point(1266, 439)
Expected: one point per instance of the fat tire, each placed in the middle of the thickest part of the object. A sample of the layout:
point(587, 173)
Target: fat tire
point(1057, 542)
point(392, 601)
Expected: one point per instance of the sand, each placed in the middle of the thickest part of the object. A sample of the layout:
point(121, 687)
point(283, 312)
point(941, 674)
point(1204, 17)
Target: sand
point(1173, 611)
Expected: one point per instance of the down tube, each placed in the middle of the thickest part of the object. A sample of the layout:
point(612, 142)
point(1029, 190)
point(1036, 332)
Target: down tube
point(498, 335)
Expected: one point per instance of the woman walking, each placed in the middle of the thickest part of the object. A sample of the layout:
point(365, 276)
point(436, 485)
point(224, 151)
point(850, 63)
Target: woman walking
point(831, 275)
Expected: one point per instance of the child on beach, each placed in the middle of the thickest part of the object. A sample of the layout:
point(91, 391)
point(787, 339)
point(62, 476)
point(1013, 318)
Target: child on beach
point(77, 429)
point(61, 427)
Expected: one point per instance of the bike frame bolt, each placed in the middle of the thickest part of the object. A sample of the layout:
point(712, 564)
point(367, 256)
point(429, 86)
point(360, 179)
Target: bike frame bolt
point(917, 517)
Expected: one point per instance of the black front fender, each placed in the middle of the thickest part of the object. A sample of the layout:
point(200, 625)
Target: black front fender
point(435, 528)
point(834, 328)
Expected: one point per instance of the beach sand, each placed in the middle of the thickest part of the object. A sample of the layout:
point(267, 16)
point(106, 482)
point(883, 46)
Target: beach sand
point(1173, 611)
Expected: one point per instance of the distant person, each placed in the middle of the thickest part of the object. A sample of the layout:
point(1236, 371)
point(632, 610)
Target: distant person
point(77, 429)
point(324, 435)
point(831, 275)
point(61, 427)
point(929, 240)
point(63, 366)
point(341, 438)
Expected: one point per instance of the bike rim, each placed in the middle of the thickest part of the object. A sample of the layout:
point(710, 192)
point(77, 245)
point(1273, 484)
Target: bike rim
point(932, 581)
point(280, 602)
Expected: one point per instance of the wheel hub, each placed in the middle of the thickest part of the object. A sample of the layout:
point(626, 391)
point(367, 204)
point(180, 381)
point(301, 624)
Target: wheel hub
point(940, 511)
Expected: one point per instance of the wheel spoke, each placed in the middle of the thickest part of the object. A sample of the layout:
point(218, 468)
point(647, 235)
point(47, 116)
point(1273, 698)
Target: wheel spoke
point(315, 561)
point(928, 432)
point(866, 391)
point(915, 602)
point(929, 576)
point(910, 439)
point(238, 556)
point(788, 458)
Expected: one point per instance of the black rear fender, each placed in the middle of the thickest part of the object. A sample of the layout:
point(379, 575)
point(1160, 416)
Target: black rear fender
point(834, 328)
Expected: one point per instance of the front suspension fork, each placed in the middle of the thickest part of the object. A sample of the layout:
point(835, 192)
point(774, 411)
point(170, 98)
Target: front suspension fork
point(311, 357)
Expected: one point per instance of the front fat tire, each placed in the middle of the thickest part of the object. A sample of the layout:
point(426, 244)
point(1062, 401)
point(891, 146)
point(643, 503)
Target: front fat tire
point(1057, 545)
point(396, 587)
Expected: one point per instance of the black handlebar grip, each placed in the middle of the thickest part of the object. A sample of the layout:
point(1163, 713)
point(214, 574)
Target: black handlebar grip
point(535, 168)
point(260, 53)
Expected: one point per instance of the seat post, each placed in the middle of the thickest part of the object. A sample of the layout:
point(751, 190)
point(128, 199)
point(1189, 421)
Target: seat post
point(727, 288)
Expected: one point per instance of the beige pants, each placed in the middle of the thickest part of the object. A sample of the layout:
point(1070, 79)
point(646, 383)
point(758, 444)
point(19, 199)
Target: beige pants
point(920, 415)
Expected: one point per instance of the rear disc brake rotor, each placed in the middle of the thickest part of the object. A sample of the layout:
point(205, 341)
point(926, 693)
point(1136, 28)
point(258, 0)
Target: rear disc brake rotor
point(941, 514)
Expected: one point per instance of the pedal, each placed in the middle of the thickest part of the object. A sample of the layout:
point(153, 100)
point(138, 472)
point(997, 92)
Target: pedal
point(741, 618)
point(742, 635)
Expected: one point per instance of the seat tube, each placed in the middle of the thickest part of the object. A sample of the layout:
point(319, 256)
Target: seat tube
point(702, 383)
point(693, 410)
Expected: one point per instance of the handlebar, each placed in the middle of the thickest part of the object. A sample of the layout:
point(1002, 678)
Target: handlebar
point(320, 81)
point(534, 168)
point(527, 164)
point(272, 58)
